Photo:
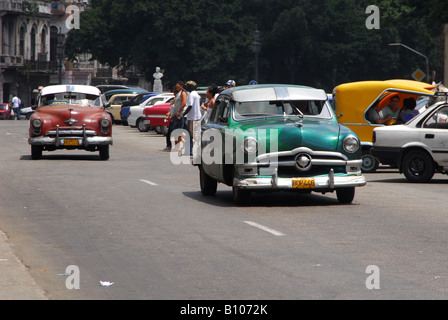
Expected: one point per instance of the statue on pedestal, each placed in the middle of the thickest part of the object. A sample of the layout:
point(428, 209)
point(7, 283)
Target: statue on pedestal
point(158, 75)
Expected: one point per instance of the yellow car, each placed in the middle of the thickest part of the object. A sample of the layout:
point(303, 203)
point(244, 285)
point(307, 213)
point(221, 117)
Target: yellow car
point(354, 104)
point(115, 105)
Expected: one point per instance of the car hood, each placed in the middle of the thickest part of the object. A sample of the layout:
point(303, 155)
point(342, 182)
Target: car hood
point(294, 133)
point(69, 116)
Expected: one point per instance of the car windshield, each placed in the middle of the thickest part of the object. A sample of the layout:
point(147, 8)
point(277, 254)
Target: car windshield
point(260, 109)
point(75, 98)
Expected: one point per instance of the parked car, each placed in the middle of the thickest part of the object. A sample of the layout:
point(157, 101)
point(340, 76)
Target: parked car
point(353, 102)
point(108, 87)
point(155, 116)
point(278, 138)
point(418, 148)
point(109, 94)
point(27, 112)
point(137, 118)
point(70, 117)
point(126, 105)
point(115, 105)
point(5, 111)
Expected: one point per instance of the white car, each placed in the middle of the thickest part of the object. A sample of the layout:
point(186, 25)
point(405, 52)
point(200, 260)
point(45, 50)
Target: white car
point(136, 116)
point(419, 148)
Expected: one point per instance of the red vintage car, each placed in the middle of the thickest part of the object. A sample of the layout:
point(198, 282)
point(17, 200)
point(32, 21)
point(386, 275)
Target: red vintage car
point(70, 117)
point(5, 111)
point(156, 116)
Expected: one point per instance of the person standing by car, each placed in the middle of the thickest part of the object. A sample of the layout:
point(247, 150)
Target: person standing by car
point(177, 116)
point(170, 126)
point(16, 106)
point(194, 116)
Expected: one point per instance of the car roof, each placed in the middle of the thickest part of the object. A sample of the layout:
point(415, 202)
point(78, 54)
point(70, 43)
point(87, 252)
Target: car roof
point(70, 88)
point(274, 92)
point(380, 86)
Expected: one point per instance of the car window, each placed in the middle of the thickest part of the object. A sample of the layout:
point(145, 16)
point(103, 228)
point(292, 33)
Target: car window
point(222, 111)
point(438, 119)
point(70, 98)
point(154, 101)
point(254, 109)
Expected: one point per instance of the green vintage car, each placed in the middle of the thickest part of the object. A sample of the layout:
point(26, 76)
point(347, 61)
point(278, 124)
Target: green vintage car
point(278, 138)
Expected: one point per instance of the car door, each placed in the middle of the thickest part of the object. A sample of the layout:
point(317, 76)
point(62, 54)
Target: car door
point(434, 134)
point(218, 123)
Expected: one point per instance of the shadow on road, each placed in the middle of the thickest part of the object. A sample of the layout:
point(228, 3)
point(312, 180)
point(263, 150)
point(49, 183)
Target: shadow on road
point(69, 157)
point(268, 199)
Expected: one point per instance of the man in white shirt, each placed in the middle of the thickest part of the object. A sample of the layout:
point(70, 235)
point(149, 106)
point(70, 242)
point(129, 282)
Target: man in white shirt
point(16, 106)
point(194, 118)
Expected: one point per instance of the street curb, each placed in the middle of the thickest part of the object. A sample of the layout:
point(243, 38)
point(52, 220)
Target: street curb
point(16, 282)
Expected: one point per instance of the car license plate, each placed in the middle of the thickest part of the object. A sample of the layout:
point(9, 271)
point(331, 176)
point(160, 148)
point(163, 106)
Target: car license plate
point(303, 183)
point(71, 142)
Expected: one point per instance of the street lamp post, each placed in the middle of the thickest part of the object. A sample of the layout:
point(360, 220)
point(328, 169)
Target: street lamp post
point(60, 50)
point(256, 47)
point(416, 52)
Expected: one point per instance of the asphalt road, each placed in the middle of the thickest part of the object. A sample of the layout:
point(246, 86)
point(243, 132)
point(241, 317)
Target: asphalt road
point(140, 222)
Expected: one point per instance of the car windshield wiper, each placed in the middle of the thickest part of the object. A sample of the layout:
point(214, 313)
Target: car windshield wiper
point(299, 123)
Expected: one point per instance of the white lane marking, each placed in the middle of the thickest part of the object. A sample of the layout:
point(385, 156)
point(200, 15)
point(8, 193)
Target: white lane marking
point(149, 182)
point(259, 226)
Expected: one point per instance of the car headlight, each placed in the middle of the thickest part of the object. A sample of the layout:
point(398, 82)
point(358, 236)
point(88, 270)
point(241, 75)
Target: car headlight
point(250, 145)
point(36, 123)
point(350, 144)
point(105, 123)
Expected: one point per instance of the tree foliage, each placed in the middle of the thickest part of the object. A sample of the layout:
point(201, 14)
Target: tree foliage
point(320, 43)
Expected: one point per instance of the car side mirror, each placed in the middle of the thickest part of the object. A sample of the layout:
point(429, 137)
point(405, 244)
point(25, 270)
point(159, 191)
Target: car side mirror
point(107, 105)
point(33, 107)
point(340, 115)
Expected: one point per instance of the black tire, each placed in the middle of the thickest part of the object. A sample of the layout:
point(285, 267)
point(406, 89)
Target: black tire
point(418, 166)
point(345, 195)
point(240, 196)
point(141, 126)
point(164, 130)
point(36, 152)
point(207, 183)
point(369, 163)
point(104, 152)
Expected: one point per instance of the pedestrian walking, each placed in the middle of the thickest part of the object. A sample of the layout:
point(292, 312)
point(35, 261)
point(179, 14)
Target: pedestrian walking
point(16, 102)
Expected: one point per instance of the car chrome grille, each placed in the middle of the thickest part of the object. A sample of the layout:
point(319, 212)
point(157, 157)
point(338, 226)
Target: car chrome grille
point(303, 160)
point(70, 132)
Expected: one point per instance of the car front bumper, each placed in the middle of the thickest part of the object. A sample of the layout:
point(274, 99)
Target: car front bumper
point(321, 183)
point(77, 138)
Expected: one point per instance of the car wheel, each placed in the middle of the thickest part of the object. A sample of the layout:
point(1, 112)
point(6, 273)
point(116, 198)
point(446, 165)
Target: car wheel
point(369, 163)
point(418, 167)
point(164, 130)
point(345, 195)
point(104, 152)
point(208, 184)
point(240, 196)
point(142, 127)
point(36, 152)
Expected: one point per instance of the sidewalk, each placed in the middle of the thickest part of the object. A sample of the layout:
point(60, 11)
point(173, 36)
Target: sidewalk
point(15, 281)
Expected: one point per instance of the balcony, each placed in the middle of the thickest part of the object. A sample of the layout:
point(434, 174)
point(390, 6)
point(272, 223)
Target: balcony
point(9, 5)
point(7, 61)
